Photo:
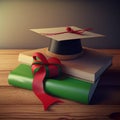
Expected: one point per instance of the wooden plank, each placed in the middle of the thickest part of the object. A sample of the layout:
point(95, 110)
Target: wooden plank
point(9, 62)
point(115, 62)
point(103, 95)
point(64, 112)
point(11, 51)
point(12, 95)
point(21, 96)
point(9, 59)
point(17, 51)
point(4, 78)
point(111, 77)
point(109, 51)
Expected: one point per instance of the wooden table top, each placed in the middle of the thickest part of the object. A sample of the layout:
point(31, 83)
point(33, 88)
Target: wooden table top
point(17, 103)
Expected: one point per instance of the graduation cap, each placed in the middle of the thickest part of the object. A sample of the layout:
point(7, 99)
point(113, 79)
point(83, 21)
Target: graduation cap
point(65, 41)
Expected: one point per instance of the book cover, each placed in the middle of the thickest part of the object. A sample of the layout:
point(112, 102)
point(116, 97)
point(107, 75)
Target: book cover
point(67, 88)
point(89, 66)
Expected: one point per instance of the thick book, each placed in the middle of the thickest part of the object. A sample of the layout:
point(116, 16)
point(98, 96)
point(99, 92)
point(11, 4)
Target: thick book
point(89, 66)
point(66, 87)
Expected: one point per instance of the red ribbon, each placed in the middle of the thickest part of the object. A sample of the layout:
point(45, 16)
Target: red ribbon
point(70, 30)
point(43, 68)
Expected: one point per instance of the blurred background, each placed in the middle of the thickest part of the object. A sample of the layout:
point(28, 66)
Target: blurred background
point(18, 16)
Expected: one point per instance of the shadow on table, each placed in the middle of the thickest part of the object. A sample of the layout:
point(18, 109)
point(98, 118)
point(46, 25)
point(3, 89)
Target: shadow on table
point(108, 89)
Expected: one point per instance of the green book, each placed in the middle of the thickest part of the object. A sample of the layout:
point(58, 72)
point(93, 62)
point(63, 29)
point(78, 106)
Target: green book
point(68, 88)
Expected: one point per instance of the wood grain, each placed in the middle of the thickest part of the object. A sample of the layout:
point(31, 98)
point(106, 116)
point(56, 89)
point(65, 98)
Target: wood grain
point(17, 103)
point(109, 77)
point(8, 58)
point(12, 95)
point(61, 112)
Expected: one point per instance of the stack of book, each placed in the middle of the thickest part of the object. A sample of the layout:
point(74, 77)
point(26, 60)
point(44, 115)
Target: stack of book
point(83, 75)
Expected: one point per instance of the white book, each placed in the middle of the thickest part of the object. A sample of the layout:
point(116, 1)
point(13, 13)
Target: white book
point(89, 66)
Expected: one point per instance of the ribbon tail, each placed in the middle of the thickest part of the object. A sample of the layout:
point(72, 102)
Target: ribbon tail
point(48, 100)
point(38, 89)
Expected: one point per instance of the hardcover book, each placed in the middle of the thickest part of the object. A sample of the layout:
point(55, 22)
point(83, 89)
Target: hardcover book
point(67, 87)
point(89, 66)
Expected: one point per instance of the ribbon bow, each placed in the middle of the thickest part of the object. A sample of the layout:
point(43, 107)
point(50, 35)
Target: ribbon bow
point(70, 30)
point(42, 69)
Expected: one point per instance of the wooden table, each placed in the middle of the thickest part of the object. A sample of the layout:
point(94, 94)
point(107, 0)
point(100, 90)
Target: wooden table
point(16, 103)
